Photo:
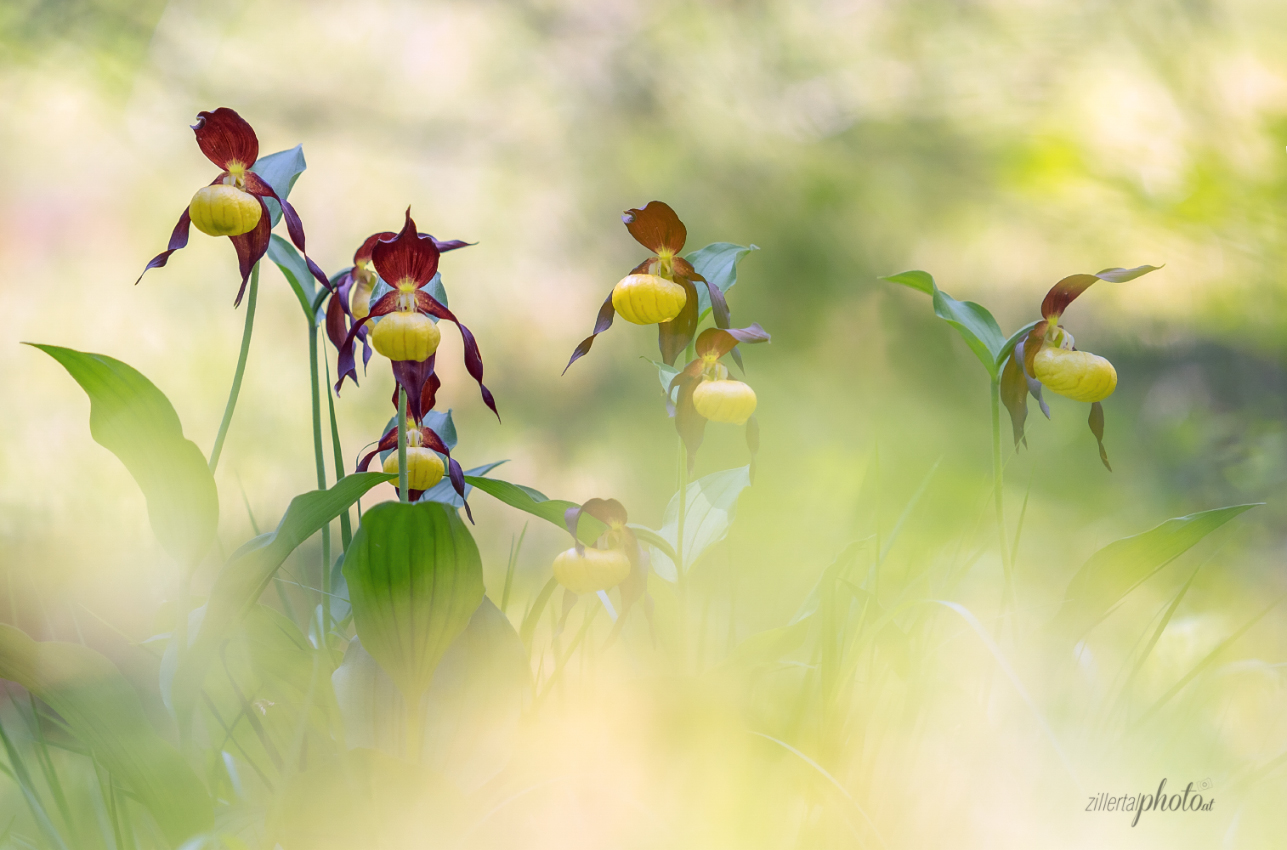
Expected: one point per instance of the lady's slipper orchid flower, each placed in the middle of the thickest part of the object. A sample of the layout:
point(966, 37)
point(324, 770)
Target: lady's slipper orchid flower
point(1049, 357)
point(424, 467)
point(661, 290)
point(706, 393)
point(351, 299)
point(616, 560)
point(233, 205)
point(405, 332)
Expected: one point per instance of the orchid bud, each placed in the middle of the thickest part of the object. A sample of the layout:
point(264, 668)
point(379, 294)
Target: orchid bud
point(595, 570)
point(424, 467)
point(360, 297)
point(724, 401)
point(222, 210)
point(406, 336)
point(647, 299)
point(1078, 375)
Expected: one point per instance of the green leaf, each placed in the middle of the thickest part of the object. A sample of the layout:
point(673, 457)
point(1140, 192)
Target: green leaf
point(1015, 338)
point(444, 493)
point(717, 263)
point(469, 714)
point(1117, 569)
point(665, 374)
point(280, 170)
point(101, 708)
point(972, 321)
point(250, 569)
point(134, 420)
point(415, 579)
point(538, 504)
point(653, 539)
point(710, 506)
point(295, 270)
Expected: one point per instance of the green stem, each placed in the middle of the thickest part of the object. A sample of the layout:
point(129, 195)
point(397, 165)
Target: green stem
point(319, 459)
point(241, 369)
point(998, 482)
point(402, 444)
point(346, 529)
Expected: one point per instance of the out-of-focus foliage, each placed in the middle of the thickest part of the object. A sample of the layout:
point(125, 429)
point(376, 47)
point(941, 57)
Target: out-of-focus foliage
point(999, 145)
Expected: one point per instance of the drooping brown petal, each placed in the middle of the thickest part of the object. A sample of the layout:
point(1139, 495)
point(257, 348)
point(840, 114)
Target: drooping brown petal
point(1096, 422)
point(407, 256)
point(657, 228)
point(251, 247)
point(345, 366)
point(673, 336)
point(258, 187)
point(1066, 291)
point(606, 314)
point(690, 424)
point(1031, 345)
point(178, 239)
point(387, 442)
point(417, 377)
point(225, 138)
point(426, 303)
point(720, 341)
point(1014, 395)
point(337, 310)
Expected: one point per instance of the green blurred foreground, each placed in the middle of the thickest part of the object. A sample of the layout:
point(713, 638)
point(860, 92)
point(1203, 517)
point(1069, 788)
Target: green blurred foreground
point(844, 671)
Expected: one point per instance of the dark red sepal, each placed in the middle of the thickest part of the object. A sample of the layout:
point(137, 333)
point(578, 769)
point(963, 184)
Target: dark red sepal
point(606, 314)
point(363, 253)
point(251, 247)
point(690, 424)
point(337, 310)
point(225, 137)
point(1066, 291)
point(1096, 422)
point(426, 303)
point(657, 228)
point(407, 256)
point(448, 245)
point(178, 239)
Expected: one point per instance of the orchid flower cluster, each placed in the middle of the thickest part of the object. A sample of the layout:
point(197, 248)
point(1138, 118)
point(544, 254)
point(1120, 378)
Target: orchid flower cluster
point(386, 299)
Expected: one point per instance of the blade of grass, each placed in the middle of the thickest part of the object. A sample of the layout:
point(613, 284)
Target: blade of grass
point(509, 569)
point(1023, 513)
point(1202, 665)
point(907, 510)
point(23, 777)
point(233, 393)
point(346, 527)
point(528, 627)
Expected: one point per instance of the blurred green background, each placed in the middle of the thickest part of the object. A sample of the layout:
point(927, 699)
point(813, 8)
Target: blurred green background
point(998, 145)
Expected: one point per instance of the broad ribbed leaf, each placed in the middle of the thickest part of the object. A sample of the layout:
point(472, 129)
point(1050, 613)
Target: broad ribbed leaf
point(470, 712)
point(104, 712)
point(134, 420)
point(538, 504)
point(1117, 569)
point(415, 579)
point(444, 493)
point(709, 512)
point(972, 321)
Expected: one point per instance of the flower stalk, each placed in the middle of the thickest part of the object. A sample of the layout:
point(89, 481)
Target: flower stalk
point(403, 491)
point(249, 330)
point(319, 459)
